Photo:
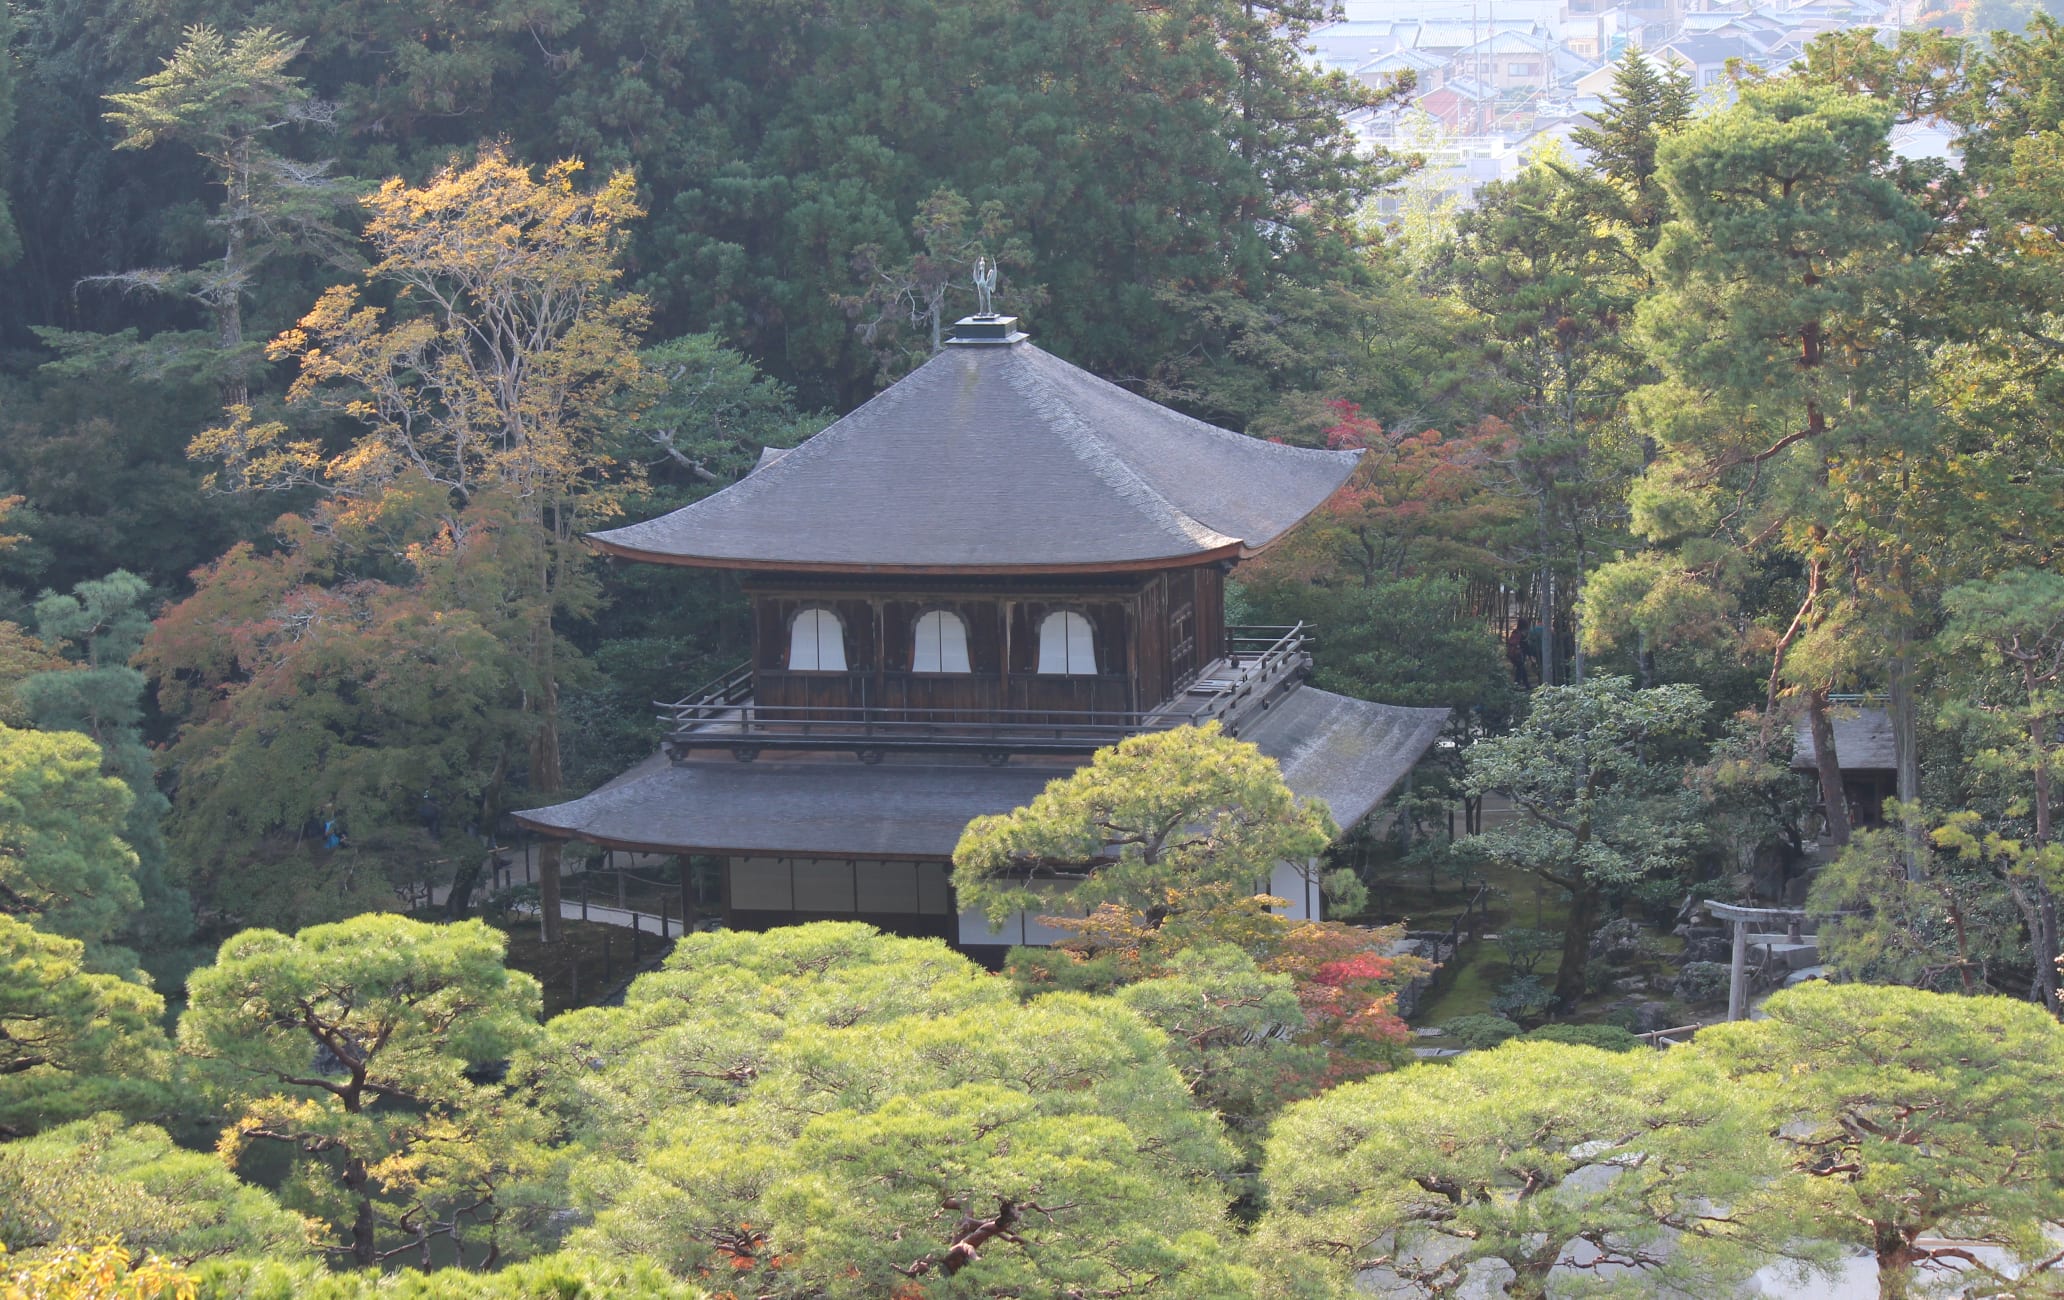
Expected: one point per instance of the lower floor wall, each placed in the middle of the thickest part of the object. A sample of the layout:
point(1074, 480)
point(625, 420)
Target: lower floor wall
point(914, 898)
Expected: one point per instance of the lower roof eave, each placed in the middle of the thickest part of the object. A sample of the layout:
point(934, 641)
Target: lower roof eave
point(1350, 753)
point(606, 841)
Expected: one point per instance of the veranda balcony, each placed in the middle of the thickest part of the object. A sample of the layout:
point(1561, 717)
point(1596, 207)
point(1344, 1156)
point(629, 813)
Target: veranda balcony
point(995, 716)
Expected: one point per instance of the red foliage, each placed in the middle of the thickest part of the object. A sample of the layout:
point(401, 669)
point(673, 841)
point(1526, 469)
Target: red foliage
point(1346, 985)
point(1416, 500)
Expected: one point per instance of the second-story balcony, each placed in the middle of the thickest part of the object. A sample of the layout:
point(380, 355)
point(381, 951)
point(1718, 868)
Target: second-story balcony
point(996, 716)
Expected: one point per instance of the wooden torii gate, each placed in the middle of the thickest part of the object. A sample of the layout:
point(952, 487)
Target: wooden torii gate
point(1738, 970)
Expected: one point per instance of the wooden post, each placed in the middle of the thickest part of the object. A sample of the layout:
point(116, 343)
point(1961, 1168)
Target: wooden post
point(583, 895)
point(665, 906)
point(686, 866)
point(637, 940)
point(1738, 974)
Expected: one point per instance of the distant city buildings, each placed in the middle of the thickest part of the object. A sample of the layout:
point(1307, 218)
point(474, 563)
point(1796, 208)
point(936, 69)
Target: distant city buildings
point(1498, 81)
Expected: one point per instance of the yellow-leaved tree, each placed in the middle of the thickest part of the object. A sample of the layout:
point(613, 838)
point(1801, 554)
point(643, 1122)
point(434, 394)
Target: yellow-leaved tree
point(489, 394)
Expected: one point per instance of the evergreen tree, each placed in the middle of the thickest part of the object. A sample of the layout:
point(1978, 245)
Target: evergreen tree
point(1647, 104)
point(826, 1110)
point(72, 1043)
point(1602, 804)
point(1153, 820)
point(63, 865)
point(100, 628)
point(1532, 1170)
point(1792, 396)
point(225, 97)
point(98, 1180)
point(1554, 271)
point(1911, 1117)
point(364, 1049)
point(10, 238)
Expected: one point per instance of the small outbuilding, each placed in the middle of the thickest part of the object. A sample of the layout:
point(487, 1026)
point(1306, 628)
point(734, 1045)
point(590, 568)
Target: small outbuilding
point(1865, 751)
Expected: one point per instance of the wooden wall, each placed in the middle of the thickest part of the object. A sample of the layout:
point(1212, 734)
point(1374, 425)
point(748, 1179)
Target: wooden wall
point(1153, 633)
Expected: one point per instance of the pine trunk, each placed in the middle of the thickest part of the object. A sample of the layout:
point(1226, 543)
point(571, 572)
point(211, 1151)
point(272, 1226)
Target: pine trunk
point(1906, 751)
point(1829, 765)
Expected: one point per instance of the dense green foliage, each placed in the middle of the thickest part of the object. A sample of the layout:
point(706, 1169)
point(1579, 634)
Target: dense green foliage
point(72, 1042)
point(325, 330)
point(358, 1046)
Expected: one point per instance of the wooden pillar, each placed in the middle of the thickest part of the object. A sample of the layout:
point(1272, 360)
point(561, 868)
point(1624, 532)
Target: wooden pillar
point(1738, 974)
point(686, 866)
point(1003, 659)
point(881, 653)
point(1135, 618)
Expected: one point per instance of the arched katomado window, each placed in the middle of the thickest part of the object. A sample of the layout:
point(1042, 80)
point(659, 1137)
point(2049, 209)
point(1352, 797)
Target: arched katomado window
point(1066, 646)
point(817, 642)
point(939, 644)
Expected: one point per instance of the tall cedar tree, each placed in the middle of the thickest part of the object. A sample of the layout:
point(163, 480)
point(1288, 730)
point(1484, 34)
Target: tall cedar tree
point(10, 238)
point(98, 628)
point(228, 98)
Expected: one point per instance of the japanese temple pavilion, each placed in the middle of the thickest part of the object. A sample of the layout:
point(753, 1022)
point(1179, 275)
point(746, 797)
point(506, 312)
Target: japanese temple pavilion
point(959, 592)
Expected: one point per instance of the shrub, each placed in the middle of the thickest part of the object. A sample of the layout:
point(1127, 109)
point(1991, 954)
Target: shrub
point(1598, 975)
point(1522, 996)
point(1610, 1038)
point(1525, 947)
point(1480, 1031)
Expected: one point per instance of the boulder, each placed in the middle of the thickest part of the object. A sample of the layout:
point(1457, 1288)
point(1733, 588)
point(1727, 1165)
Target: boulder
point(1617, 940)
point(1651, 1016)
point(1708, 947)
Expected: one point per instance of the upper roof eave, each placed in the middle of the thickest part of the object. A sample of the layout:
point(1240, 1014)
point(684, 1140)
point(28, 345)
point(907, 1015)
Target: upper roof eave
point(1220, 554)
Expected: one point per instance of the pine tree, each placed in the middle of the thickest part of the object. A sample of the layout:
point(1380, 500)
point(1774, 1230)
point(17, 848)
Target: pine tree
point(1792, 356)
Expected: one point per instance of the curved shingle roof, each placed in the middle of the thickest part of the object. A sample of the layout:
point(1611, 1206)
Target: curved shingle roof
point(1348, 752)
point(1005, 458)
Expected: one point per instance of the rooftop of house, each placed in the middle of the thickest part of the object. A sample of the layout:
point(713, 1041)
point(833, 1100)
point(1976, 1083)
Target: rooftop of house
point(1399, 60)
point(996, 456)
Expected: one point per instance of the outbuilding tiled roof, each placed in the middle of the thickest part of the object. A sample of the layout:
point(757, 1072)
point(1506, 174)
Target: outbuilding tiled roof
point(1863, 741)
point(1348, 752)
point(1000, 458)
